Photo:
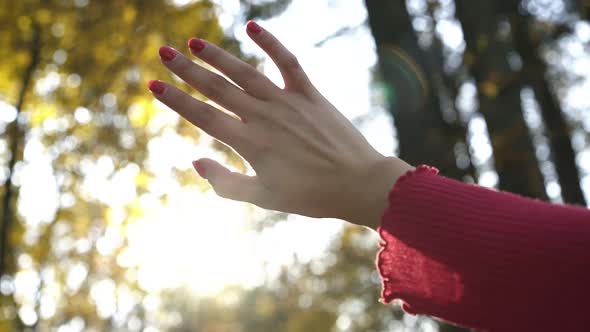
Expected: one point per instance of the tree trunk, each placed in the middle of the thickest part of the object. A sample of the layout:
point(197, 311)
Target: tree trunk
point(413, 78)
point(411, 75)
point(534, 70)
point(16, 136)
point(499, 88)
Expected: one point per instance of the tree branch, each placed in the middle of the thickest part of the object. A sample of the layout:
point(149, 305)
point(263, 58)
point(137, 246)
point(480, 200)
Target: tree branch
point(16, 135)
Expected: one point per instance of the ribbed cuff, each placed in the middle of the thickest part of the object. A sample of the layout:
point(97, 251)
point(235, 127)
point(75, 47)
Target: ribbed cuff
point(483, 258)
point(395, 260)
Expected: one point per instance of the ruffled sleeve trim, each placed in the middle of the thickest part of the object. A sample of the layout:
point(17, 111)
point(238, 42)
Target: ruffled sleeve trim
point(384, 261)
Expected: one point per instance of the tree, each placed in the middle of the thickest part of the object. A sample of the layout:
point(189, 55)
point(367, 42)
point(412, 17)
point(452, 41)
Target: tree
point(499, 92)
point(74, 73)
point(413, 79)
point(82, 116)
point(503, 43)
point(528, 41)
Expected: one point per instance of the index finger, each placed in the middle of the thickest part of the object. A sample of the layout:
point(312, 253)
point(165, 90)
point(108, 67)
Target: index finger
point(243, 74)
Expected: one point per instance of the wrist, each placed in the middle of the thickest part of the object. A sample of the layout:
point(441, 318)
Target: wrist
point(373, 196)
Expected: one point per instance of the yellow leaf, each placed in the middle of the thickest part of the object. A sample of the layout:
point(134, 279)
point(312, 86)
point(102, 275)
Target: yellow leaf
point(114, 216)
point(490, 89)
point(142, 179)
point(135, 210)
point(42, 112)
point(129, 14)
point(24, 23)
point(43, 16)
point(141, 112)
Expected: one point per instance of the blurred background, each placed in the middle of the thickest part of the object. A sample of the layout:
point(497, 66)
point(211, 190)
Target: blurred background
point(105, 226)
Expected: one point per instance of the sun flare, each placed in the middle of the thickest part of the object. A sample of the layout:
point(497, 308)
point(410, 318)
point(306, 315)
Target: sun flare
point(197, 239)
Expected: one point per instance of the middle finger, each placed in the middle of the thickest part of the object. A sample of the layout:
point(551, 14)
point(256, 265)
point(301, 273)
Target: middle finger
point(212, 85)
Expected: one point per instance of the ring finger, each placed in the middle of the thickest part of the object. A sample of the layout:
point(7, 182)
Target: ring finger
point(213, 121)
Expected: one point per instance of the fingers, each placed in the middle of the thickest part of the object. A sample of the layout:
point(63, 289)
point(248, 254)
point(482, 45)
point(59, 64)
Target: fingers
point(293, 75)
point(229, 184)
point(214, 122)
point(243, 74)
point(208, 83)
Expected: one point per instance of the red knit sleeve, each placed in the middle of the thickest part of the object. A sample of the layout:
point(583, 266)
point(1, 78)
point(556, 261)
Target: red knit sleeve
point(483, 258)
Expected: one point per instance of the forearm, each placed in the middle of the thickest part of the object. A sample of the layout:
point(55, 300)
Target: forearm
point(482, 258)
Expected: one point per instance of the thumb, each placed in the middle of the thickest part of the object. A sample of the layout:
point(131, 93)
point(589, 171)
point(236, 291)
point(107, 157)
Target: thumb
point(228, 184)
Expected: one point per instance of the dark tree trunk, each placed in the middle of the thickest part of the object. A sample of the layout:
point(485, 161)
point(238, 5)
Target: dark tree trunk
point(534, 71)
point(498, 85)
point(411, 75)
point(447, 86)
point(16, 136)
point(414, 78)
point(583, 7)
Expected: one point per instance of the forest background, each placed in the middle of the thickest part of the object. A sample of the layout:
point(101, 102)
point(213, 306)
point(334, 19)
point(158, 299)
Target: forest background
point(106, 227)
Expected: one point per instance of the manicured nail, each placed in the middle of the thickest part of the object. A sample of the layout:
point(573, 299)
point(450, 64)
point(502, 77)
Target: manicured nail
point(196, 45)
point(156, 87)
point(253, 28)
point(167, 53)
point(199, 168)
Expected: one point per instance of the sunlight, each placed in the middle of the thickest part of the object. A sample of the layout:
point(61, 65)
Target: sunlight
point(196, 239)
point(181, 3)
point(201, 241)
point(7, 112)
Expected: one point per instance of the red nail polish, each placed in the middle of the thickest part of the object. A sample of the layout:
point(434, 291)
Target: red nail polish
point(156, 87)
point(199, 168)
point(196, 45)
point(253, 28)
point(167, 53)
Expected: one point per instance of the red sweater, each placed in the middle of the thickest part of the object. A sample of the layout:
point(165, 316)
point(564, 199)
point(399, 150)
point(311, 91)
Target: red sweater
point(483, 258)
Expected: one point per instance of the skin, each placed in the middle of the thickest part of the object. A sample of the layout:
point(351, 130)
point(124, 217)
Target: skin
point(308, 158)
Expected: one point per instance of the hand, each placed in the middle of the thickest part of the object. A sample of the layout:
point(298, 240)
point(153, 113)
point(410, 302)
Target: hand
point(309, 159)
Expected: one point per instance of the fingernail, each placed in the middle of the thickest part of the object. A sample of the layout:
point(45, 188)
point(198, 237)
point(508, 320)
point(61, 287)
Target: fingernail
point(199, 168)
point(196, 45)
point(156, 87)
point(167, 53)
point(253, 28)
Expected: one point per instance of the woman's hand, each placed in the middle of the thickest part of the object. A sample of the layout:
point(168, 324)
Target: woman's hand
point(309, 159)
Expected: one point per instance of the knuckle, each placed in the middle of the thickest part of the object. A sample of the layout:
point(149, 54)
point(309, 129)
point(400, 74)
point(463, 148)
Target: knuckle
point(222, 192)
point(274, 45)
point(247, 76)
point(205, 119)
point(183, 65)
point(245, 72)
point(255, 151)
point(239, 142)
point(291, 62)
point(263, 149)
point(220, 188)
point(214, 86)
point(256, 198)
